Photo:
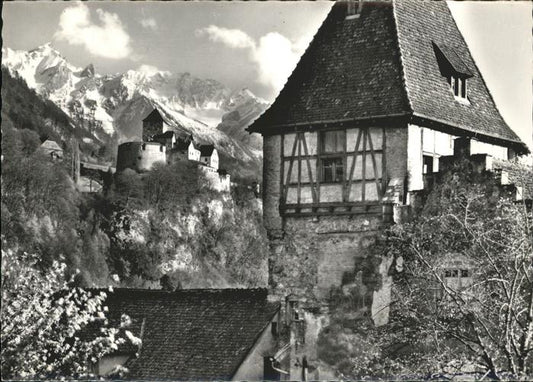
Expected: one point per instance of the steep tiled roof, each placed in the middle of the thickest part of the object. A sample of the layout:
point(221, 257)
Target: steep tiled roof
point(196, 334)
point(206, 150)
point(154, 115)
point(420, 24)
point(350, 70)
point(384, 64)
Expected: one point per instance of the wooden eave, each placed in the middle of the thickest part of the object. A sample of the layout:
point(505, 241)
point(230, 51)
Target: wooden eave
point(377, 121)
point(448, 128)
point(387, 120)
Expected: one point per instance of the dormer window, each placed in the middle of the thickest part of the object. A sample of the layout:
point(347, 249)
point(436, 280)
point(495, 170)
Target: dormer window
point(354, 9)
point(458, 86)
point(453, 68)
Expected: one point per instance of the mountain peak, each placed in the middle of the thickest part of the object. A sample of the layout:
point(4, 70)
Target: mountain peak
point(88, 71)
point(45, 49)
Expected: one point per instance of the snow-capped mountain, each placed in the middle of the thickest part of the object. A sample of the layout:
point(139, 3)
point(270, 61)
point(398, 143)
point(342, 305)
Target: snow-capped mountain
point(116, 104)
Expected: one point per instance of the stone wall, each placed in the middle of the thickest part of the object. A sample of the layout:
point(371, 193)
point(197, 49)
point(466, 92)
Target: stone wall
point(316, 253)
point(316, 259)
point(396, 152)
point(140, 156)
point(127, 155)
point(311, 255)
point(151, 153)
point(271, 184)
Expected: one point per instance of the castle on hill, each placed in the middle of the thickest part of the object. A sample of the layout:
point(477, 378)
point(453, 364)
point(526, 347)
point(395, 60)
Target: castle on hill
point(160, 144)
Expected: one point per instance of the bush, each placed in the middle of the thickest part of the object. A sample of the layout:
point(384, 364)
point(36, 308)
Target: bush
point(45, 323)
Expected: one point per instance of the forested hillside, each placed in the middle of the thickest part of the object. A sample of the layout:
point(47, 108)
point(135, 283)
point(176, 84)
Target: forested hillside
point(23, 108)
point(161, 229)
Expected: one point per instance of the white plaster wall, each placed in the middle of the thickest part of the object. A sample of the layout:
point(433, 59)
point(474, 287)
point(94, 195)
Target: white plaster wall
point(330, 193)
point(437, 142)
point(152, 153)
point(288, 143)
point(312, 144)
point(214, 159)
point(194, 154)
point(414, 158)
point(477, 147)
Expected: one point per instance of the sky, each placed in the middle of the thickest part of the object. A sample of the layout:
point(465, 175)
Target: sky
point(255, 44)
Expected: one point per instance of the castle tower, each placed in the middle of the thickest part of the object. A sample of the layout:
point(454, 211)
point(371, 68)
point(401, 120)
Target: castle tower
point(153, 124)
point(378, 97)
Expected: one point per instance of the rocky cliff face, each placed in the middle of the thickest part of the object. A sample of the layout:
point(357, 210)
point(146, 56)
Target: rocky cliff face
point(115, 104)
point(170, 223)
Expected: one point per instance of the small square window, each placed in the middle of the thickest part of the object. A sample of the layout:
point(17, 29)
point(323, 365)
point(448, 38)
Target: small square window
point(332, 170)
point(274, 328)
point(428, 164)
point(458, 86)
point(457, 279)
point(354, 9)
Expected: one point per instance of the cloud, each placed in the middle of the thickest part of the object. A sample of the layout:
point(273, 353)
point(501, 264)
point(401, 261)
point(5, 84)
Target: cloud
point(107, 38)
point(234, 38)
point(274, 55)
point(149, 23)
point(150, 70)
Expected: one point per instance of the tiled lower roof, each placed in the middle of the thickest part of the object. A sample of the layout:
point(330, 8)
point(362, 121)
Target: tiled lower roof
point(206, 150)
point(196, 334)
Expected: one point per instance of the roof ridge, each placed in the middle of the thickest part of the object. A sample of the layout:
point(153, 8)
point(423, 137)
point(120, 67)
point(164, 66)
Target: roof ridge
point(400, 51)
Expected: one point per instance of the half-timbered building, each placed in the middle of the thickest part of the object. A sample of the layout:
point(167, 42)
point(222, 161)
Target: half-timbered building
point(383, 92)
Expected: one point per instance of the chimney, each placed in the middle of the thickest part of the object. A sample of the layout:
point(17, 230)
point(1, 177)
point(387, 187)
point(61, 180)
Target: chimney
point(461, 147)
